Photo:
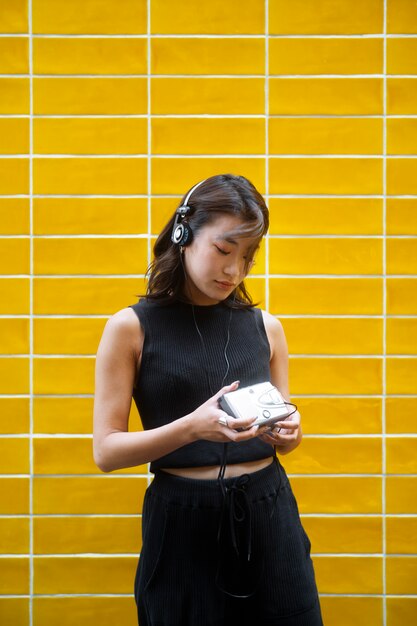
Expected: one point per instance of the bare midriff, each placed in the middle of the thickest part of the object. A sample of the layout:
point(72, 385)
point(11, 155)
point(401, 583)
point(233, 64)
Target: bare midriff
point(212, 471)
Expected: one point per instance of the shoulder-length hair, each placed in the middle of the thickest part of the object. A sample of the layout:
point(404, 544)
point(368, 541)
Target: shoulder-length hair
point(223, 194)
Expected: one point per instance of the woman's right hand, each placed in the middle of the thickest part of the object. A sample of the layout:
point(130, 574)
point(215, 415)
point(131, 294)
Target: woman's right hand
point(204, 421)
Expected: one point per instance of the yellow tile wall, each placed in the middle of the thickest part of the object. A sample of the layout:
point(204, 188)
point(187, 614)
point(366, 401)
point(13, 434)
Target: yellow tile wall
point(109, 112)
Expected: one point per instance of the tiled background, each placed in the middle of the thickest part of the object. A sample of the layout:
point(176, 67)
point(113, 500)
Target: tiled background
point(109, 111)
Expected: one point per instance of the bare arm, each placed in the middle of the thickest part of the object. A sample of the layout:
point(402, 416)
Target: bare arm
point(290, 436)
point(116, 364)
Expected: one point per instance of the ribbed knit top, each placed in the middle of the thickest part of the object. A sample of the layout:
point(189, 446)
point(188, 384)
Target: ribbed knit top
point(179, 372)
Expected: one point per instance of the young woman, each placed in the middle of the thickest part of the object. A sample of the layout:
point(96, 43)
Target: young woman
point(222, 539)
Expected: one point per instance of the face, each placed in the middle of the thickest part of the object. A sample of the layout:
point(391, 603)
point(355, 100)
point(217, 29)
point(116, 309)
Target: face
point(215, 263)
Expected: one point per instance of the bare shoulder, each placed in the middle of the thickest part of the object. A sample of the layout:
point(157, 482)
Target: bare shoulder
point(124, 328)
point(275, 333)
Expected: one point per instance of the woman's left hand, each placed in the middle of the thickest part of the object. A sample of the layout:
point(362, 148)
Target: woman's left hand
point(285, 434)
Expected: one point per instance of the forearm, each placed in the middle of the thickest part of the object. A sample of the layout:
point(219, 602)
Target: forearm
point(120, 449)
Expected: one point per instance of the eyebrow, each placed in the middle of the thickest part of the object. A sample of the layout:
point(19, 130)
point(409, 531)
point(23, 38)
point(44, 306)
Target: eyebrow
point(228, 239)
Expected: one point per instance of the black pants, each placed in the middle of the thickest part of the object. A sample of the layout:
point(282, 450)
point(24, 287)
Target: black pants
point(212, 560)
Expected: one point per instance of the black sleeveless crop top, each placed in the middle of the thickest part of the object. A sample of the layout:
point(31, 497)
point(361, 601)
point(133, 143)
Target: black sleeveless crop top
point(176, 369)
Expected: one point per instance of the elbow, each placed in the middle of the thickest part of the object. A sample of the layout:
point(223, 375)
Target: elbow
point(101, 460)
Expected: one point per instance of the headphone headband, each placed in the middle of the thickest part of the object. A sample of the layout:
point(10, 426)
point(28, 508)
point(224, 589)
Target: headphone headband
point(182, 233)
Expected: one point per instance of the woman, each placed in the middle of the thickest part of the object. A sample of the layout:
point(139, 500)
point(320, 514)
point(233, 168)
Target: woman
point(222, 539)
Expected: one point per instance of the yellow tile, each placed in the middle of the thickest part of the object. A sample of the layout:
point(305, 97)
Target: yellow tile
point(401, 574)
point(14, 136)
point(231, 95)
point(345, 611)
point(325, 56)
point(14, 455)
point(161, 212)
point(240, 17)
point(14, 216)
point(402, 255)
point(401, 375)
point(14, 496)
point(333, 336)
point(14, 415)
point(207, 56)
point(401, 535)
point(14, 576)
point(67, 336)
point(84, 611)
point(176, 175)
point(401, 336)
point(90, 256)
point(401, 96)
point(303, 17)
point(14, 96)
point(15, 611)
point(325, 256)
point(325, 136)
point(326, 296)
point(95, 216)
point(14, 536)
point(335, 415)
point(14, 55)
point(14, 375)
point(401, 56)
point(401, 494)
point(15, 296)
point(215, 136)
point(54, 55)
point(84, 575)
point(108, 494)
point(67, 535)
point(401, 415)
point(336, 456)
point(401, 611)
point(14, 336)
point(401, 455)
point(14, 256)
point(78, 17)
point(401, 296)
point(325, 96)
point(90, 176)
point(62, 376)
point(14, 176)
point(90, 136)
point(102, 296)
point(359, 575)
point(336, 375)
point(401, 136)
point(337, 494)
point(325, 176)
point(401, 216)
point(344, 534)
point(62, 415)
point(325, 216)
point(69, 456)
point(401, 16)
point(14, 16)
point(84, 96)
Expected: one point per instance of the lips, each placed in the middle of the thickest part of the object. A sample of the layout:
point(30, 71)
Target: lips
point(225, 285)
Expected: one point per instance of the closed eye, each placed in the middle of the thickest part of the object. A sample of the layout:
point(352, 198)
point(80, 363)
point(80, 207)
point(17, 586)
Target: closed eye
point(225, 252)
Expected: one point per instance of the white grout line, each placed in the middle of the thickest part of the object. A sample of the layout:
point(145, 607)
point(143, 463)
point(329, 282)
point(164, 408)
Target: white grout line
point(384, 331)
point(31, 346)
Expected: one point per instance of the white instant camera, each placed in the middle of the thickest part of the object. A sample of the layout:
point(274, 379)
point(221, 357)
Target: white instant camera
point(262, 401)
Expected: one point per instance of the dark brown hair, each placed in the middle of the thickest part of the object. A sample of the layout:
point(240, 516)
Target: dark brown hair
point(223, 194)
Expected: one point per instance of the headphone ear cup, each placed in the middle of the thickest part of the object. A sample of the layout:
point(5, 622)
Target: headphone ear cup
point(182, 234)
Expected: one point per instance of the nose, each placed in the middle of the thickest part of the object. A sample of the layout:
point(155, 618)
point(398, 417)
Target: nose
point(234, 267)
